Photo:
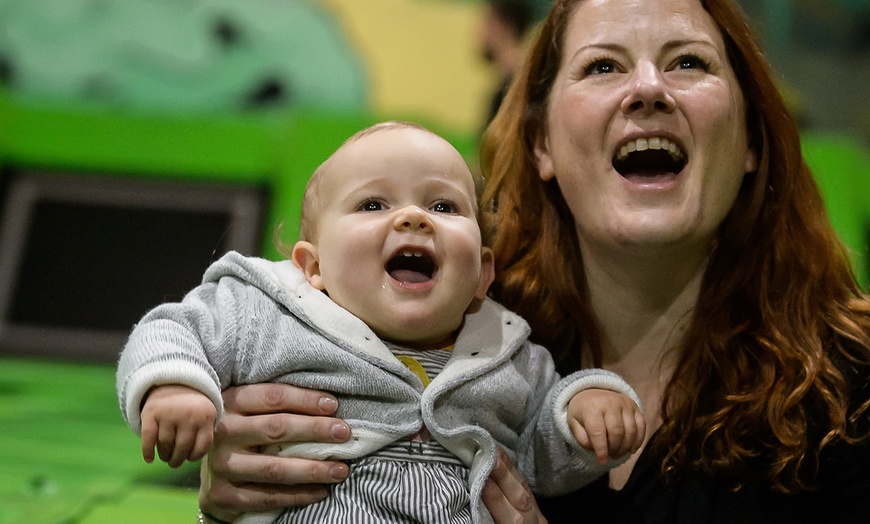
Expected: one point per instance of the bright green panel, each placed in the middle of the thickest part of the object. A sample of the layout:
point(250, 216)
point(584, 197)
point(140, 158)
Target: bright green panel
point(275, 150)
point(314, 136)
point(841, 166)
point(94, 137)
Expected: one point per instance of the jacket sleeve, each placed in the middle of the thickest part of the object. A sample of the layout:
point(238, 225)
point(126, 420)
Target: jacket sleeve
point(548, 454)
point(191, 343)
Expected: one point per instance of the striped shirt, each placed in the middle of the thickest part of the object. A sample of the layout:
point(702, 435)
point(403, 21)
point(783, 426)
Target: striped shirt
point(426, 364)
point(408, 482)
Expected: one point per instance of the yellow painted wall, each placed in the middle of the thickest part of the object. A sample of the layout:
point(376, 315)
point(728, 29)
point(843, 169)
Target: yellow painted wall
point(422, 58)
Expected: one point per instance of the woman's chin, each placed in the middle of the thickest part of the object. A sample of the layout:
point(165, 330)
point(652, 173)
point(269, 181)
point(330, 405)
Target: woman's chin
point(659, 236)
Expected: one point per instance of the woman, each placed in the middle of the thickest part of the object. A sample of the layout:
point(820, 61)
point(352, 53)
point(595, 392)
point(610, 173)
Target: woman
point(704, 271)
point(653, 216)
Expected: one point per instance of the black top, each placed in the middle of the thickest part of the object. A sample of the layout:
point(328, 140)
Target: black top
point(844, 497)
point(843, 494)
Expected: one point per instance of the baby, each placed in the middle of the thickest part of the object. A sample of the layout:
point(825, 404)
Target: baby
point(382, 303)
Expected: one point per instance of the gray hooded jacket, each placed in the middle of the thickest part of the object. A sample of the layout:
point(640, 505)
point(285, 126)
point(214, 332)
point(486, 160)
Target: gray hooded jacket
point(255, 321)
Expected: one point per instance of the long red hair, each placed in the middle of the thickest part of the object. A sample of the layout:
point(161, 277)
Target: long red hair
point(780, 334)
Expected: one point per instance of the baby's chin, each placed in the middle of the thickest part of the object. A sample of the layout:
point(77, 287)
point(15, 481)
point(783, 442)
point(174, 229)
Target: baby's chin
point(415, 338)
point(416, 326)
point(439, 342)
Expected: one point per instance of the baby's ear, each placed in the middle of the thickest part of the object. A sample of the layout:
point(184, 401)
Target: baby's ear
point(307, 259)
point(487, 272)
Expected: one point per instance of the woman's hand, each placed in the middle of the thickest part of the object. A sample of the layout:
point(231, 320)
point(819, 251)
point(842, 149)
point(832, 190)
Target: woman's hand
point(236, 478)
point(507, 495)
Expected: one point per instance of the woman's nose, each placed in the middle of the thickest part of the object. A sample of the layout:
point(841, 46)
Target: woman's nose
point(648, 92)
point(412, 218)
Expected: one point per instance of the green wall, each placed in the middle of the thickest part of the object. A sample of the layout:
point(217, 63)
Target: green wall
point(841, 165)
point(274, 150)
point(279, 151)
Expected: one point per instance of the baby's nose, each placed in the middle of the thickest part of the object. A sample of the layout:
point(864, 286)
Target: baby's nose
point(412, 218)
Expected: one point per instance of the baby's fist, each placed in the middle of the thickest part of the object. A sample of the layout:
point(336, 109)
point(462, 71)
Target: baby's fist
point(180, 422)
point(606, 422)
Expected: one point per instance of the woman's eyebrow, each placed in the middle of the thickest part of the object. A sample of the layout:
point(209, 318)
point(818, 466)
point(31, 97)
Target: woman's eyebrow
point(606, 46)
point(596, 47)
point(670, 45)
point(685, 42)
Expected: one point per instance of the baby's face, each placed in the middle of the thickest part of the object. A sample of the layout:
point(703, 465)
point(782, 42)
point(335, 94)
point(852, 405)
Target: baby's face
point(397, 241)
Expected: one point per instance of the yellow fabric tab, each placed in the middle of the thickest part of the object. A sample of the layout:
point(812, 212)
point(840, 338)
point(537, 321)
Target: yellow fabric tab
point(416, 368)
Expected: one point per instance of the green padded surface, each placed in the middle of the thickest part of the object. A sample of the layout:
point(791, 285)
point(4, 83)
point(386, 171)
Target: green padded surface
point(67, 457)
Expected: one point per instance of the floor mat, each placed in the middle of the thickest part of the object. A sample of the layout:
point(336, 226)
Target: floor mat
point(66, 455)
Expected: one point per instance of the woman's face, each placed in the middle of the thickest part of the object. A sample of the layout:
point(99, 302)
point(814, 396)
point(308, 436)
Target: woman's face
point(646, 127)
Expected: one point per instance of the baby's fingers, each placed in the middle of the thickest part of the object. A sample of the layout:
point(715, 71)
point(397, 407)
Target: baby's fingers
point(166, 442)
point(640, 423)
point(204, 439)
point(631, 422)
point(582, 437)
point(149, 438)
point(596, 429)
point(187, 440)
point(627, 433)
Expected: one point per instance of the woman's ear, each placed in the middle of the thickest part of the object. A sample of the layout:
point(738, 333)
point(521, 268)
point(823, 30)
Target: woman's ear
point(487, 272)
point(306, 258)
point(751, 161)
point(543, 159)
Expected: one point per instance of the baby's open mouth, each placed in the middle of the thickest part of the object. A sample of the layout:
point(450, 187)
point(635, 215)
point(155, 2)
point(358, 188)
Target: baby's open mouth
point(649, 157)
point(411, 266)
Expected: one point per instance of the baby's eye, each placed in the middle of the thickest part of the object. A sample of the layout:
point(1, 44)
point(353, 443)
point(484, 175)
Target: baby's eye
point(371, 205)
point(444, 207)
point(691, 62)
point(600, 66)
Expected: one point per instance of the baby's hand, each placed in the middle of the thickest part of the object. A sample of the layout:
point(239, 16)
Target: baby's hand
point(606, 422)
point(180, 422)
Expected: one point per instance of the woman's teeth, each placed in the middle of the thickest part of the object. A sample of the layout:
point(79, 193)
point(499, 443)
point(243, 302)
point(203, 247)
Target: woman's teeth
point(643, 144)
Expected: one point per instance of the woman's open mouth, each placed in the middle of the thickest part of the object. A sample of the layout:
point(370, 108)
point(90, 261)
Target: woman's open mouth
point(649, 159)
point(411, 266)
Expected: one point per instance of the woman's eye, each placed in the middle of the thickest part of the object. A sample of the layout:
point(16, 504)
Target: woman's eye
point(601, 66)
point(443, 207)
point(691, 62)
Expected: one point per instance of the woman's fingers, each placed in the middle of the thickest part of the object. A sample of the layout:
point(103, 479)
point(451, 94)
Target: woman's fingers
point(253, 482)
point(258, 399)
point(238, 467)
point(261, 414)
point(507, 496)
point(237, 478)
point(258, 430)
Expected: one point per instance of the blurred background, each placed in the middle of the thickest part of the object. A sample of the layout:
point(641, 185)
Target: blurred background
point(141, 139)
